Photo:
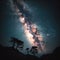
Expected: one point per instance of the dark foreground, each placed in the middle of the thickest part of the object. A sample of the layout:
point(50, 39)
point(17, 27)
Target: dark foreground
point(8, 53)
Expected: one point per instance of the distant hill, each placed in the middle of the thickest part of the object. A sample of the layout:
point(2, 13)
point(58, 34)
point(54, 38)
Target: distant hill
point(9, 53)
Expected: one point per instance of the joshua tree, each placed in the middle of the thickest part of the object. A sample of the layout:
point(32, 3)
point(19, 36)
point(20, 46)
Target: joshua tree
point(27, 50)
point(34, 50)
point(19, 43)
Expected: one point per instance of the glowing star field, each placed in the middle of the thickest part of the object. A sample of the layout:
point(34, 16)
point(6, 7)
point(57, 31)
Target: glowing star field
point(30, 29)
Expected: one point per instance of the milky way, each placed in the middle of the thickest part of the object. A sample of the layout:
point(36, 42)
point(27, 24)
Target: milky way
point(30, 28)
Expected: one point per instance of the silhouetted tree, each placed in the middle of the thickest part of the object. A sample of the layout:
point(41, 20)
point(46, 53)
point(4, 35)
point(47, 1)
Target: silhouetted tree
point(19, 43)
point(34, 50)
point(27, 50)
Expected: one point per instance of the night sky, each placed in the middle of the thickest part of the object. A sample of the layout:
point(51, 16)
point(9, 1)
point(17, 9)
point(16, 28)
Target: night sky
point(44, 13)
